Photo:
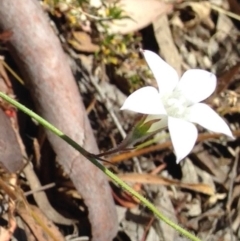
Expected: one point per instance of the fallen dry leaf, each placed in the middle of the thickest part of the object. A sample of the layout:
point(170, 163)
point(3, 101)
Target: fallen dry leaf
point(141, 13)
point(151, 179)
point(82, 41)
point(166, 43)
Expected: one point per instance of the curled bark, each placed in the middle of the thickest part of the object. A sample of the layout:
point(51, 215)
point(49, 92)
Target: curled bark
point(48, 76)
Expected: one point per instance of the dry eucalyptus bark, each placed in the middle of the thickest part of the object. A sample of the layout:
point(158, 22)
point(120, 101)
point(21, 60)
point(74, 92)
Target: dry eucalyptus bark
point(41, 59)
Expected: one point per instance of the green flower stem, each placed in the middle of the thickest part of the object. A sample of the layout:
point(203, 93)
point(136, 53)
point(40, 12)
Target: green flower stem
point(91, 158)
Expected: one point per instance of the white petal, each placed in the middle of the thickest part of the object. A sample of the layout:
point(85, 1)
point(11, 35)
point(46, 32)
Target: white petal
point(197, 85)
point(205, 116)
point(159, 125)
point(165, 75)
point(183, 135)
point(145, 100)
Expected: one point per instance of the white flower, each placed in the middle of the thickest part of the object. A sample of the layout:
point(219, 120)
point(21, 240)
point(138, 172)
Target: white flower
point(176, 103)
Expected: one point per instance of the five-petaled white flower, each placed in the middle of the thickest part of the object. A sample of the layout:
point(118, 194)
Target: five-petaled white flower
point(176, 104)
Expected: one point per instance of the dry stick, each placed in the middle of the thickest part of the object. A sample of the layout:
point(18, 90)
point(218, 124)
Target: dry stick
point(12, 72)
point(90, 157)
point(40, 189)
point(162, 146)
point(228, 13)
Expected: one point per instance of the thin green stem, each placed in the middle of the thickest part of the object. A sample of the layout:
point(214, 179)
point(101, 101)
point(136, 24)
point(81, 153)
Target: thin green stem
point(90, 157)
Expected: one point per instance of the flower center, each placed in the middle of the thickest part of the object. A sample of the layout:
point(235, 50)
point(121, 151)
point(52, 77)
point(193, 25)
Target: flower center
point(175, 104)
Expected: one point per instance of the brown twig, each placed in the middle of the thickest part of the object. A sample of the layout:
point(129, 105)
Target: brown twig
point(162, 146)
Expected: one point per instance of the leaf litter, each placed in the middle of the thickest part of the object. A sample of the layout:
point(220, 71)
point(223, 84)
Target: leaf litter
point(202, 193)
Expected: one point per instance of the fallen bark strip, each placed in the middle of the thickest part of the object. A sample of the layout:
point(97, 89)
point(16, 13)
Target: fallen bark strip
point(39, 55)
